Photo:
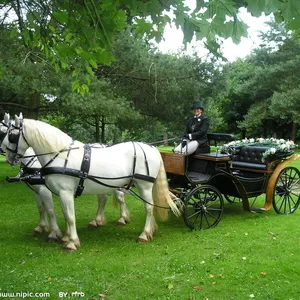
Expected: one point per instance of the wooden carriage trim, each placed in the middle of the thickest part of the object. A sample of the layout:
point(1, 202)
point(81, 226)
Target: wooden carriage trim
point(174, 163)
point(212, 157)
point(271, 184)
point(254, 170)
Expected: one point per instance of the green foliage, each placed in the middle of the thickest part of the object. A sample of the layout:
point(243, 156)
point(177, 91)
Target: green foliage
point(78, 35)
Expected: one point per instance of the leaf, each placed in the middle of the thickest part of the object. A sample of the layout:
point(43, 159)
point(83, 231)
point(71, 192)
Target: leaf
point(170, 286)
point(256, 7)
point(93, 63)
point(52, 28)
point(271, 6)
point(197, 288)
point(60, 16)
point(89, 70)
point(188, 30)
point(290, 9)
point(294, 24)
point(239, 30)
point(142, 26)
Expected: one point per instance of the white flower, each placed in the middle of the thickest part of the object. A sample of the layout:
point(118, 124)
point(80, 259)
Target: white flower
point(273, 145)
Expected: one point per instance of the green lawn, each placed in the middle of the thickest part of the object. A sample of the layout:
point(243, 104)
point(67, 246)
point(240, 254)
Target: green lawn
point(246, 256)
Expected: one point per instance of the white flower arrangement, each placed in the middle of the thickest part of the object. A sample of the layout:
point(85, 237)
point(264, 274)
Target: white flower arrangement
point(277, 147)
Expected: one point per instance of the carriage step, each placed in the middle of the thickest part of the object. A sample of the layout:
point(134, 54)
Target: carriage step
point(197, 177)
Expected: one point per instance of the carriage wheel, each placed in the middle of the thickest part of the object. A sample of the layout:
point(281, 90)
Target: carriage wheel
point(233, 199)
point(203, 208)
point(286, 196)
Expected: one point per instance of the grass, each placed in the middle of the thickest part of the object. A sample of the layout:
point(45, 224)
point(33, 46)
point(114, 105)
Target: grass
point(246, 256)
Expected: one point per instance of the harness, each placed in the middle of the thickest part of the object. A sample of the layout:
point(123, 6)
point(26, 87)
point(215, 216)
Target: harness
point(83, 173)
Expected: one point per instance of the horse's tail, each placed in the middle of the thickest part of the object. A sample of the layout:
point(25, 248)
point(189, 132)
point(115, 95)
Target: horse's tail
point(161, 195)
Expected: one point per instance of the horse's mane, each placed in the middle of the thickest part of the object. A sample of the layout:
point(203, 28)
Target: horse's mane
point(46, 136)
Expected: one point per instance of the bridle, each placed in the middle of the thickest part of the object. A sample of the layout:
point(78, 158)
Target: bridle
point(14, 138)
point(3, 134)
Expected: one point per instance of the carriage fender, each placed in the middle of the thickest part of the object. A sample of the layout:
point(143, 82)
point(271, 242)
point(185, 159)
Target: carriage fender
point(273, 179)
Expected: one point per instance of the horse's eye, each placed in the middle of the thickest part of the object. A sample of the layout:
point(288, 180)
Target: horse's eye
point(13, 138)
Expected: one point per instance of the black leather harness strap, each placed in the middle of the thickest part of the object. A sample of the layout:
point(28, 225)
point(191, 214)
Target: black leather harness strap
point(128, 186)
point(85, 167)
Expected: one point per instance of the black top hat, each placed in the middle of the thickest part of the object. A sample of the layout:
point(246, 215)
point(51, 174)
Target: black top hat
point(197, 105)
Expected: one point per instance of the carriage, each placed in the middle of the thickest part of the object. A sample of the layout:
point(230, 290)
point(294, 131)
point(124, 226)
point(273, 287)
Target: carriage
point(202, 181)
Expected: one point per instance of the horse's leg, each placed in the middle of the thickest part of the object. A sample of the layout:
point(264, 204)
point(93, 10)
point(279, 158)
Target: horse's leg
point(100, 219)
point(67, 204)
point(43, 222)
point(119, 196)
point(47, 199)
point(150, 225)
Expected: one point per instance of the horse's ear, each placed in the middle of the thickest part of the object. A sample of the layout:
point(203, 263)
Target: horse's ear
point(6, 118)
point(17, 121)
point(20, 116)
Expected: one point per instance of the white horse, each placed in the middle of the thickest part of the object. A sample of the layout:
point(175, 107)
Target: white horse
point(112, 167)
point(29, 165)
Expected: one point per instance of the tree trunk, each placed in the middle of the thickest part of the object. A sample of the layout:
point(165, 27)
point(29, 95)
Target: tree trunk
point(166, 139)
point(97, 129)
point(294, 130)
point(33, 106)
point(103, 129)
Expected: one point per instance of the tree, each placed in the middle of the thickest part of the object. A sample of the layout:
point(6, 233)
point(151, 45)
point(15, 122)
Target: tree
point(27, 79)
point(159, 86)
point(262, 90)
point(77, 35)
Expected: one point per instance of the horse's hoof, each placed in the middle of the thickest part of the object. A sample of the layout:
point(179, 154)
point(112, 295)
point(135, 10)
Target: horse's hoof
point(70, 247)
point(65, 239)
point(52, 240)
point(69, 250)
point(92, 226)
point(121, 223)
point(35, 233)
point(142, 240)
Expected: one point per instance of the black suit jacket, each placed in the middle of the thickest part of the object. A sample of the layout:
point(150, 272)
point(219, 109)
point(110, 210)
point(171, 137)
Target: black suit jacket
point(198, 128)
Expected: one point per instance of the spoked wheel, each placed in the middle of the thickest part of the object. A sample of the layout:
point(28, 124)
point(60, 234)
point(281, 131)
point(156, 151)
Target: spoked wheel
point(233, 199)
point(203, 208)
point(286, 196)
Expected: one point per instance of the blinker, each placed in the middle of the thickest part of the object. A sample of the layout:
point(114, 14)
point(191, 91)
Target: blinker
point(13, 138)
point(2, 135)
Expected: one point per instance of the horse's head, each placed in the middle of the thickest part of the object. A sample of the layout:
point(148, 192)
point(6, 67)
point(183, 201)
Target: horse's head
point(4, 125)
point(15, 141)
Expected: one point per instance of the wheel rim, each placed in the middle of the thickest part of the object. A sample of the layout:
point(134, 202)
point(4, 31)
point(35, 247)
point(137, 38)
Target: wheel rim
point(233, 199)
point(203, 208)
point(287, 191)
